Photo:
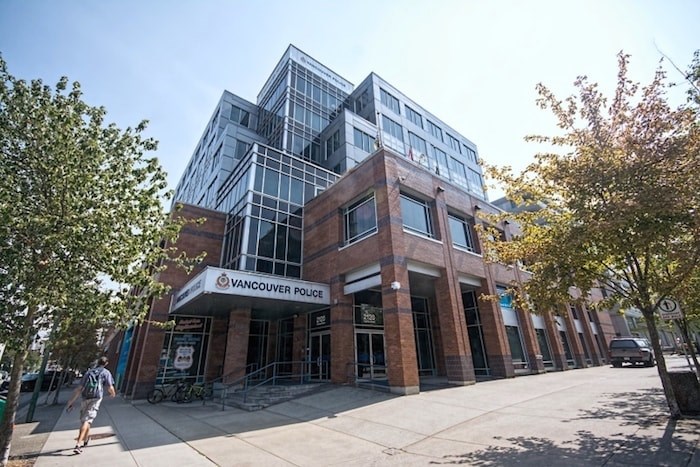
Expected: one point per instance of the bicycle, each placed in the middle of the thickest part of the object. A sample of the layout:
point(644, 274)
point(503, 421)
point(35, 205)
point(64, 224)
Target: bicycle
point(166, 391)
point(191, 392)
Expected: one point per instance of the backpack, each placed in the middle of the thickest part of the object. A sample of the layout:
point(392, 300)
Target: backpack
point(92, 386)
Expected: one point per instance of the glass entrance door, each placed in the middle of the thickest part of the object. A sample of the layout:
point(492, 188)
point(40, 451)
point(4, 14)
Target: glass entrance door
point(369, 347)
point(320, 356)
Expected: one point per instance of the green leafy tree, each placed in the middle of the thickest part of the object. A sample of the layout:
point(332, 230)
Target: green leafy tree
point(618, 190)
point(80, 218)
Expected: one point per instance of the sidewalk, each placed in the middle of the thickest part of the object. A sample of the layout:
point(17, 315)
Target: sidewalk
point(589, 417)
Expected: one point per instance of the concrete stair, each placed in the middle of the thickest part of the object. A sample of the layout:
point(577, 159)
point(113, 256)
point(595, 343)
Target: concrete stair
point(264, 396)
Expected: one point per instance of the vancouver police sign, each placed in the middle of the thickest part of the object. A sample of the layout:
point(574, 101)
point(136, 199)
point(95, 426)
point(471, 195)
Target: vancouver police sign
point(229, 282)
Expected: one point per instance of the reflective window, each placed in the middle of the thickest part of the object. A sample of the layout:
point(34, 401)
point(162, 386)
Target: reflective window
point(414, 117)
point(416, 215)
point(461, 231)
point(476, 183)
point(418, 148)
point(389, 101)
point(363, 141)
point(240, 116)
point(453, 142)
point(360, 219)
point(332, 144)
point(392, 128)
point(435, 130)
point(439, 162)
point(470, 153)
point(458, 173)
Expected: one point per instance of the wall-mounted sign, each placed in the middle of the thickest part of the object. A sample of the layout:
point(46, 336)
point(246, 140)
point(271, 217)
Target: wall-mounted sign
point(247, 284)
point(369, 315)
point(320, 319)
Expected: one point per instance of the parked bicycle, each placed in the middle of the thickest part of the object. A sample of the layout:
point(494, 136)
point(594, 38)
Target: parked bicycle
point(191, 392)
point(170, 391)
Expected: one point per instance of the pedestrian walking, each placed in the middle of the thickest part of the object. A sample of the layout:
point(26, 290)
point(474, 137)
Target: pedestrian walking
point(91, 390)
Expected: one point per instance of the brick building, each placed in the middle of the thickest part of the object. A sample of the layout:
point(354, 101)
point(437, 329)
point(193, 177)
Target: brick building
point(341, 247)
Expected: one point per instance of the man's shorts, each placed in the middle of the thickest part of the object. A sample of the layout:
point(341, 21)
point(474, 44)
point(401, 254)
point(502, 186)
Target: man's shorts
point(88, 410)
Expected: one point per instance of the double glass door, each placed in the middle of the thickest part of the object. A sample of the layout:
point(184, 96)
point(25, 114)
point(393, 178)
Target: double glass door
point(320, 356)
point(370, 356)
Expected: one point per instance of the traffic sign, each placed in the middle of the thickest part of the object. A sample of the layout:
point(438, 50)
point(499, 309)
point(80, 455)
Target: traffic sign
point(669, 309)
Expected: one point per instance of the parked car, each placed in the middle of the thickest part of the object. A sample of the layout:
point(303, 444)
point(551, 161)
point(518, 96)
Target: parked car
point(632, 350)
point(50, 381)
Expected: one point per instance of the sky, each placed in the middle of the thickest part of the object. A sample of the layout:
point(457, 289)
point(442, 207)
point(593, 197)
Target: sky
point(473, 64)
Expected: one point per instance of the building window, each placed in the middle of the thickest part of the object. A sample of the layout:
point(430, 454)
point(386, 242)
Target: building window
point(390, 101)
point(332, 144)
point(414, 117)
point(453, 142)
point(240, 116)
point(363, 141)
point(458, 173)
point(418, 150)
point(393, 135)
point(461, 231)
point(392, 128)
point(416, 215)
point(439, 162)
point(476, 183)
point(360, 219)
point(435, 130)
point(470, 153)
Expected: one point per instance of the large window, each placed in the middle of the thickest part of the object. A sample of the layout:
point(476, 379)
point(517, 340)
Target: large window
point(453, 142)
point(333, 143)
point(392, 128)
point(457, 172)
point(418, 146)
point(360, 219)
point(414, 117)
point(470, 153)
point(416, 215)
point(439, 162)
point(476, 183)
point(435, 130)
point(393, 134)
point(461, 231)
point(363, 141)
point(390, 101)
point(240, 116)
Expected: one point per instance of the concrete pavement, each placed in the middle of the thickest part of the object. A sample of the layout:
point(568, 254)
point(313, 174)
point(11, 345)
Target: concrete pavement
point(589, 417)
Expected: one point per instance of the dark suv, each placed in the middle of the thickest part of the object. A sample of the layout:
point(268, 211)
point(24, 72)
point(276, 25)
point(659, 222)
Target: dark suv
point(631, 350)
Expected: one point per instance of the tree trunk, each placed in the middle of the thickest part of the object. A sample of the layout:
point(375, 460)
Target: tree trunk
point(8, 422)
point(649, 317)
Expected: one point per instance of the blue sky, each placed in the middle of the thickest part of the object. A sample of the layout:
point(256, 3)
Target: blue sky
point(472, 63)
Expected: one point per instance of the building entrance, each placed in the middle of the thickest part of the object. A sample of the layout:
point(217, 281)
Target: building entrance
point(369, 347)
point(320, 356)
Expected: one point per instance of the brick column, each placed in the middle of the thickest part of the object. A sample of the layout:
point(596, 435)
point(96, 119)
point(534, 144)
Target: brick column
point(574, 342)
point(299, 343)
point(399, 337)
point(532, 347)
point(495, 340)
point(342, 335)
point(459, 366)
point(237, 344)
point(558, 354)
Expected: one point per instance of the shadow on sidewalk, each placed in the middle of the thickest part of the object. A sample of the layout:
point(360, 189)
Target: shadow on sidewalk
point(658, 441)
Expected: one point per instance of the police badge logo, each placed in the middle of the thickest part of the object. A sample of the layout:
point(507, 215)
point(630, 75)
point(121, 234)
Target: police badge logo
point(223, 282)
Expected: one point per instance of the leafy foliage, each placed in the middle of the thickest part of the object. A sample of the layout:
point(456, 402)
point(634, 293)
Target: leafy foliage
point(81, 220)
point(616, 198)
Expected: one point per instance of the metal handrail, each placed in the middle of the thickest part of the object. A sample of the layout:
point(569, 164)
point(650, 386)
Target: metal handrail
point(246, 379)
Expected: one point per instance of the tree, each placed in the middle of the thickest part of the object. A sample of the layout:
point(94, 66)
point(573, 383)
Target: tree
point(81, 220)
point(619, 205)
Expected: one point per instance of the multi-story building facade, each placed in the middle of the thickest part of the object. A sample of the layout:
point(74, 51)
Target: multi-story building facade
point(340, 242)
